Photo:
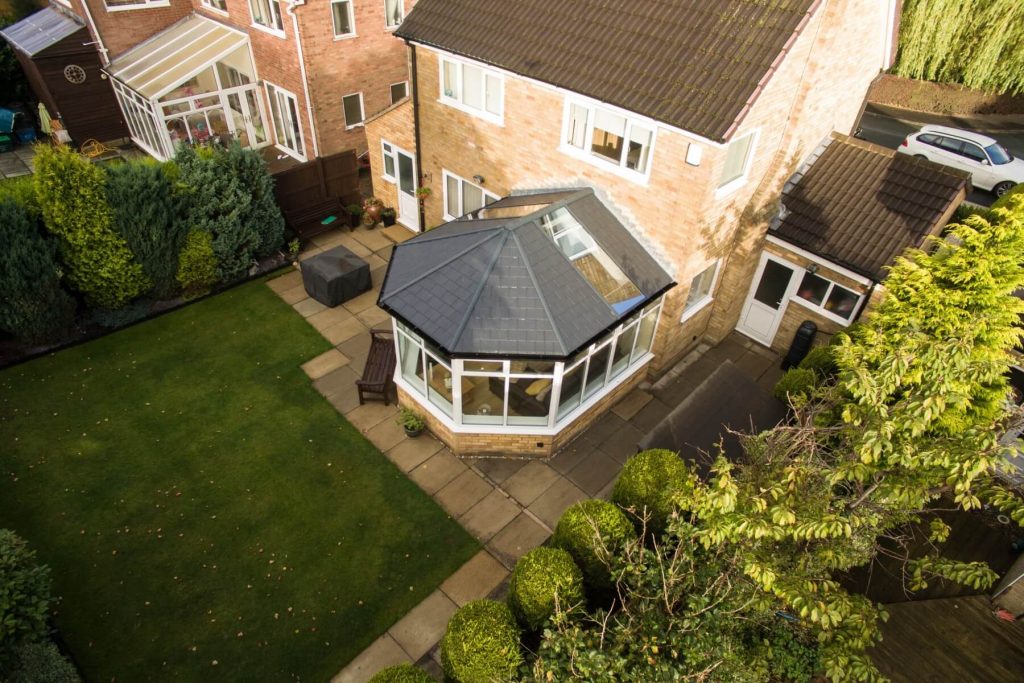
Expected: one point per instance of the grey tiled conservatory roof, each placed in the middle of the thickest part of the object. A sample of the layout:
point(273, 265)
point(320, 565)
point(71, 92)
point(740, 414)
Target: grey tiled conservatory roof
point(479, 286)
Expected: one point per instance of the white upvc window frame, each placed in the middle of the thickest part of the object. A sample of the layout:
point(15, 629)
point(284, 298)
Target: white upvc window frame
point(456, 100)
point(445, 175)
point(820, 308)
point(386, 154)
point(586, 154)
point(351, 19)
point(274, 6)
point(391, 91)
point(731, 186)
point(401, 10)
point(362, 111)
point(692, 308)
point(127, 7)
point(65, 3)
point(273, 90)
point(206, 4)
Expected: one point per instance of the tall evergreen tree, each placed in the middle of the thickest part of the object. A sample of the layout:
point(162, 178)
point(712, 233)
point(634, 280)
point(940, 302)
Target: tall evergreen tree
point(263, 213)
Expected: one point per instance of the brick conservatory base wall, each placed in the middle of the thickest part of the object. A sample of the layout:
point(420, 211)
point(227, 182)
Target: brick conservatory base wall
point(518, 445)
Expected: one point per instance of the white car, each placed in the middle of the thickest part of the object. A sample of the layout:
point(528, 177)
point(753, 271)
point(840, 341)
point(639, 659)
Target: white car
point(991, 166)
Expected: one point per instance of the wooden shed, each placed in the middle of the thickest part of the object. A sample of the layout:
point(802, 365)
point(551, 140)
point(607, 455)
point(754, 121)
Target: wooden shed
point(62, 66)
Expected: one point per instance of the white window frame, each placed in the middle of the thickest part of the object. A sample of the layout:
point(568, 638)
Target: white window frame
point(391, 94)
point(401, 10)
point(362, 111)
point(820, 308)
point(456, 101)
point(126, 7)
point(700, 304)
point(206, 4)
point(273, 90)
point(445, 174)
point(585, 154)
point(735, 184)
point(275, 9)
point(385, 154)
point(351, 19)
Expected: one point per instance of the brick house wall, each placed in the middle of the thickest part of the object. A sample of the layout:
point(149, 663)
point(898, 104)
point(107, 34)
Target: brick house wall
point(394, 124)
point(125, 27)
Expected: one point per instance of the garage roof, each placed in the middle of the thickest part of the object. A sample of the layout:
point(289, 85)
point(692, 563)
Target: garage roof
point(40, 30)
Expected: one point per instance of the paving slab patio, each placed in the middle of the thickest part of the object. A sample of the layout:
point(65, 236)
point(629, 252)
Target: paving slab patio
point(550, 505)
point(437, 471)
point(423, 626)
point(409, 454)
point(522, 534)
point(326, 362)
point(371, 414)
point(384, 652)
point(530, 482)
point(463, 492)
point(475, 579)
point(490, 515)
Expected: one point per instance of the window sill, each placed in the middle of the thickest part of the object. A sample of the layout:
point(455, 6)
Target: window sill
point(346, 36)
point(387, 178)
point(730, 187)
point(355, 125)
point(291, 152)
point(631, 175)
point(141, 5)
point(475, 113)
point(276, 32)
point(695, 309)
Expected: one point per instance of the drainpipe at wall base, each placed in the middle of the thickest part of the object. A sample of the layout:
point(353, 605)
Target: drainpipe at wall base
point(96, 34)
point(313, 132)
point(416, 132)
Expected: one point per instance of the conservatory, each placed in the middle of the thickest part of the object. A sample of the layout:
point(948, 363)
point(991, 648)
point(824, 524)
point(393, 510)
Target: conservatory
point(190, 83)
point(519, 318)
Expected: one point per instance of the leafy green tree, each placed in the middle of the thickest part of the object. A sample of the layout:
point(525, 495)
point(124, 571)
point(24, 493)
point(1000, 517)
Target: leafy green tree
point(144, 203)
point(72, 197)
point(24, 595)
point(263, 212)
point(33, 305)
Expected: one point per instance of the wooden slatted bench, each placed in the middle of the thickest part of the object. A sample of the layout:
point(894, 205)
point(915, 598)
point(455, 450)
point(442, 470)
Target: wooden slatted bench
point(306, 222)
point(379, 371)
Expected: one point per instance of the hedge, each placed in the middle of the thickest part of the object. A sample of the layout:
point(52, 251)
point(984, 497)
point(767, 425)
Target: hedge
point(821, 360)
point(647, 484)
point(401, 673)
point(481, 644)
point(197, 264)
point(39, 663)
point(591, 530)
point(795, 384)
point(540, 579)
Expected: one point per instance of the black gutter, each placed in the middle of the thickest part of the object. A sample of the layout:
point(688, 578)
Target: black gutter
point(416, 130)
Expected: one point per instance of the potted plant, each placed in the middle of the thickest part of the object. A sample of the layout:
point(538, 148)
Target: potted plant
point(293, 250)
point(423, 193)
point(371, 210)
point(411, 421)
point(355, 215)
point(387, 216)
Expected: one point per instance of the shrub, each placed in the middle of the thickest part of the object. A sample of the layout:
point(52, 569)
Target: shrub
point(591, 531)
point(402, 673)
point(263, 212)
point(23, 191)
point(39, 663)
point(145, 215)
point(789, 657)
point(648, 482)
point(481, 644)
point(74, 207)
point(540, 578)
point(33, 306)
point(797, 382)
point(822, 361)
point(197, 264)
point(24, 594)
point(1007, 199)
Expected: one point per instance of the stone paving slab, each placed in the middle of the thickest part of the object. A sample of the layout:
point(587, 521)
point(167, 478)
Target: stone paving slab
point(286, 282)
point(362, 302)
point(595, 473)
point(385, 435)
point(631, 404)
point(383, 653)
point(371, 414)
point(294, 295)
point(437, 471)
point(522, 534)
point(327, 361)
point(474, 580)
point(554, 501)
point(423, 626)
point(328, 317)
point(308, 307)
point(335, 382)
point(497, 469)
point(371, 239)
point(530, 482)
point(463, 492)
point(411, 453)
point(490, 515)
point(344, 330)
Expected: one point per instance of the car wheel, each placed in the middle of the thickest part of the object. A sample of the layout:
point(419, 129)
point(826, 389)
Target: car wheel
point(920, 156)
point(1002, 188)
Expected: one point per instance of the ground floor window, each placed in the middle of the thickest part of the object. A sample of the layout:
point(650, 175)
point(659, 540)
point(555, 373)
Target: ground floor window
point(523, 392)
point(284, 110)
point(462, 197)
point(828, 296)
point(701, 287)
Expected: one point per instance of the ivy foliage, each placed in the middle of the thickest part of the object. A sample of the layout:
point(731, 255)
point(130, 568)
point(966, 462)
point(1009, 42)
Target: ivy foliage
point(33, 305)
point(977, 43)
point(72, 197)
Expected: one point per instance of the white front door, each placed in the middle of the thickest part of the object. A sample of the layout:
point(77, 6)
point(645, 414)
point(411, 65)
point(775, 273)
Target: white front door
point(408, 204)
point(769, 295)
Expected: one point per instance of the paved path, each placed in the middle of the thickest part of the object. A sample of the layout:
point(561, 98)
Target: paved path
point(510, 506)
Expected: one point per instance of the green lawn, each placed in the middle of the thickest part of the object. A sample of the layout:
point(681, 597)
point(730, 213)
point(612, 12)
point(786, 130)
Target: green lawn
point(206, 513)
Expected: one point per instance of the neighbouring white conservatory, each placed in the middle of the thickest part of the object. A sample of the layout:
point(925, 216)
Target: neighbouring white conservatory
point(516, 325)
point(193, 82)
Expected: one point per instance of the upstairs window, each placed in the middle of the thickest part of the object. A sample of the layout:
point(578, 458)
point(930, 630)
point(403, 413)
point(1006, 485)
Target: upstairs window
point(399, 91)
point(737, 163)
point(219, 5)
point(267, 14)
point(701, 288)
point(609, 138)
point(394, 12)
point(472, 88)
point(118, 5)
point(344, 21)
point(353, 106)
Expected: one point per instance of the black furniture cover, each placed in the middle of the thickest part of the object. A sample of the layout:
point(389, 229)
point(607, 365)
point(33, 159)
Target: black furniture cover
point(335, 276)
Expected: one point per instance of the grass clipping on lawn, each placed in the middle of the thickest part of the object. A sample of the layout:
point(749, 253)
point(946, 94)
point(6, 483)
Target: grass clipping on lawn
point(206, 513)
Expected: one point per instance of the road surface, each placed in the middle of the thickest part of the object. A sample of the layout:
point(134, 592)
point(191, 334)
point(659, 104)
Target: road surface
point(889, 132)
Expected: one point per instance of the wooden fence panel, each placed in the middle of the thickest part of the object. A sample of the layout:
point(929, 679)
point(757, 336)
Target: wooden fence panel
point(309, 192)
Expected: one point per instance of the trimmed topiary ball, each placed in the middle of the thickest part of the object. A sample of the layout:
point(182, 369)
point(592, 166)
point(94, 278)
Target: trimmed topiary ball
point(481, 644)
point(647, 483)
point(537, 578)
point(590, 531)
point(795, 385)
point(402, 673)
point(822, 360)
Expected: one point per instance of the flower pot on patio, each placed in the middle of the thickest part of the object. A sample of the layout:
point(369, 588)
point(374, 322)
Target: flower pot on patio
point(372, 209)
point(355, 215)
point(387, 216)
point(412, 422)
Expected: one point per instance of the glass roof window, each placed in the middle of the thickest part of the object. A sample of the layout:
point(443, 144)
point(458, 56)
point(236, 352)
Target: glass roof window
point(590, 260)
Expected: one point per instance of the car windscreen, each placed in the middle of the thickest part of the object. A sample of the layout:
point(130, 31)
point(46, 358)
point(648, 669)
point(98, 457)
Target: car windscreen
point(998, 154)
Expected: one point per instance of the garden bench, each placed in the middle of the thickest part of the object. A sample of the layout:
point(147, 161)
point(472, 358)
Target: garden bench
point(308, 221)
point(380, 366)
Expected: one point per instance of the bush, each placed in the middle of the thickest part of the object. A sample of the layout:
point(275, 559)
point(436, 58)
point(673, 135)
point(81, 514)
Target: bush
point(24, 595)
point(822, 361)
point(648, 482)
point(401, 673)
point(1007, 199)
point(540, 578)
point(145, 215)
point(591, 530)
point(797, 382)
point(23, 191)
point(33, 306)
point(197, 264)
point(74, 206)
point(263, 212)
point(39, 663)
point(481, 644)
point(789, 657)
